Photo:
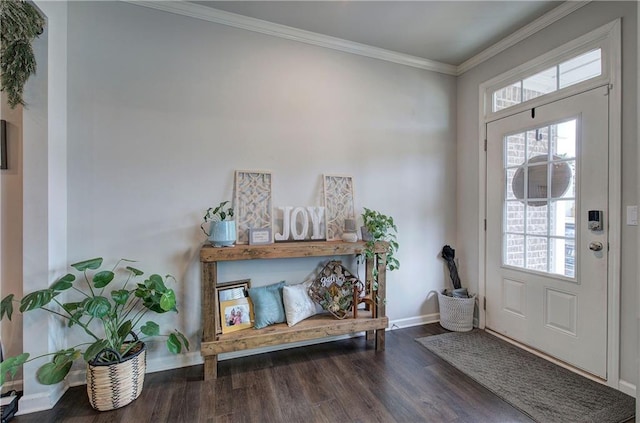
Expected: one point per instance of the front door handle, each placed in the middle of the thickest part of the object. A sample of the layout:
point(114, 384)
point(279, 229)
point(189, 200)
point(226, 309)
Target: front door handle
point(595, 246)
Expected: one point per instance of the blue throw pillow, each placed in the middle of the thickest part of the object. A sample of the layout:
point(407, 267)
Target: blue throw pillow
point(267, 305)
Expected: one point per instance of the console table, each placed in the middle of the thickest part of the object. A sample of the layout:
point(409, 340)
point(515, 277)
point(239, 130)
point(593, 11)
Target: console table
point(315, 327)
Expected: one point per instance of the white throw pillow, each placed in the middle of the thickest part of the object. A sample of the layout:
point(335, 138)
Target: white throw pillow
point(297, 303)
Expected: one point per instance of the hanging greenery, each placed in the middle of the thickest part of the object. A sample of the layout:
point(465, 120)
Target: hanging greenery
point(20, 24)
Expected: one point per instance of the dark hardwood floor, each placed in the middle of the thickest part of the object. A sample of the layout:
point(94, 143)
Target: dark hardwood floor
point(343, 381)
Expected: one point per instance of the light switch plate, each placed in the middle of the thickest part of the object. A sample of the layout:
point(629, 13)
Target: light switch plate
point(632, 215)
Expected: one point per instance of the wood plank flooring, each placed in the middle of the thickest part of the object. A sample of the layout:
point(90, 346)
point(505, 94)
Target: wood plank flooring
point(342, 381)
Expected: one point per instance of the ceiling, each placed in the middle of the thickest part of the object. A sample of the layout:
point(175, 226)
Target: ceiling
point(449, 32)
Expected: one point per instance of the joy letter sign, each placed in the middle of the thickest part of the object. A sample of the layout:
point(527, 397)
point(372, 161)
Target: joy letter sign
point(296, 222)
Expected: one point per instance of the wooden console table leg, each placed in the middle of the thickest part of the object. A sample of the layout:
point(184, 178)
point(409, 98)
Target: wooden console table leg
point(210, 367)
point(369, 335)
point(381, 296)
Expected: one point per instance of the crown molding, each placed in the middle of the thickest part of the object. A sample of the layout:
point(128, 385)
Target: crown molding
point(282, 31)
point(256, 25)
point(526, 31)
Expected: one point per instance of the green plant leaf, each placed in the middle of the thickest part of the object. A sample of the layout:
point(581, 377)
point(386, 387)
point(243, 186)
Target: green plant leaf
point(184, 339)
point(157, 283)
point(11, 365)
point(64, 282)
point(124, 329)
point(120, 296)
point(37, 299)
point(98, 307)
point(150, 329)
point(6, 307)
point(168, 300)
point(71, 307)
point(173, 344)
point(94, 349)
point(55, 371)
point(92, 264)
point(135, 271)
point(102, 279)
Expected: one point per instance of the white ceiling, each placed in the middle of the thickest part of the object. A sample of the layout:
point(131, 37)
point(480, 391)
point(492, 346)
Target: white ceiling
point(448, 32)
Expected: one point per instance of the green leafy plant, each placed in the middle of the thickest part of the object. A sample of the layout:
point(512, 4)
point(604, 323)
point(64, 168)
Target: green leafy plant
point(381, 228)
point(21, 24)
point(108, 314)
point(218, 214)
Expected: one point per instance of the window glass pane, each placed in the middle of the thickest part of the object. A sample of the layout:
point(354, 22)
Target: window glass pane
point(539, 84)
point(514, 217)
point(562, 218)
point(562, 255)
point(537, 219)
point(581, 68)
point(537, 181)
point(507, 97)
point(509, 178)
point(514, 250)
point(538, 142)
point(563, 141)
point(514, 149)
point(536, 253)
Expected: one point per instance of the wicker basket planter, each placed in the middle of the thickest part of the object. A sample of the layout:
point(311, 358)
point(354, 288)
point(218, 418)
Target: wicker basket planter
point(456, 314)
point(116, 384)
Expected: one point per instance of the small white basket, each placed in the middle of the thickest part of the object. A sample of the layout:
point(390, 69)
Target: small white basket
point(456, 314)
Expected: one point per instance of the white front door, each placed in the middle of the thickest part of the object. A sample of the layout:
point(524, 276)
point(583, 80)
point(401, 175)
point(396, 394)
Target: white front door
point(546, 256)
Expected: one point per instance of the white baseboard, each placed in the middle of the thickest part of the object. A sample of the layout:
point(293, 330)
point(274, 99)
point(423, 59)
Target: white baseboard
point(41, 401)
point(627, 387)
point(414, 321)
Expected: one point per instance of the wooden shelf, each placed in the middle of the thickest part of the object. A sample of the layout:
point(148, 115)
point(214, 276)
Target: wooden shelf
point(281, 250)
point(315, 327)
point(319, 326)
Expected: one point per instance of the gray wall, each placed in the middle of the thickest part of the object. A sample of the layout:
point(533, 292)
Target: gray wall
point(163, 108)
point(578, 23)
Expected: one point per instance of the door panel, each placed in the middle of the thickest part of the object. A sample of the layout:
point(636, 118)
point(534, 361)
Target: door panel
point(547, 168)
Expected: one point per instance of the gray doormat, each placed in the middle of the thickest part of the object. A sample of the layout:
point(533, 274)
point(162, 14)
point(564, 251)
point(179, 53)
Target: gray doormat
point(544, 391)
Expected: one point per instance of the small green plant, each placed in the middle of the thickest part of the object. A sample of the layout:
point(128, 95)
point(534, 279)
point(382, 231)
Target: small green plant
point(107, 317)
point(381, 228)
point(218, 214)
point(21, 24)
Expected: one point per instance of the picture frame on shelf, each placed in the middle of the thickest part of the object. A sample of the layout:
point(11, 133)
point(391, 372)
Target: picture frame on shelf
point(236, 315)
point(252, 202)
point(230, 291)
point(260, 236)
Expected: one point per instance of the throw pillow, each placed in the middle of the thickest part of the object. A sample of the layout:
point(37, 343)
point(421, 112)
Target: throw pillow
point(297, 303)
point(267, 304)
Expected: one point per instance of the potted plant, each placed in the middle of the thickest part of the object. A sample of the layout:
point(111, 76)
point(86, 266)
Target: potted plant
point(222, 229)
point(109, 314)
point(380, 227)
point(21, 24)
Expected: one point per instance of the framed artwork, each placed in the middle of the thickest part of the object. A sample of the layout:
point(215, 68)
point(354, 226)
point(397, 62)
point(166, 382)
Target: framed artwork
point(252, 202)
point(338, 202)
point(3, 144)
point(260, 236)
point(230, 291)
point(236, 315)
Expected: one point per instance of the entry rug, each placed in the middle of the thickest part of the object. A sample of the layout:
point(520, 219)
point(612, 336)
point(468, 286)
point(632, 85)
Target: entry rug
point(544, 391)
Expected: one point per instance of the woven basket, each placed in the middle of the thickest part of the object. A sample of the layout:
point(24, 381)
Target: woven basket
point(114, 385)
point(456, 314)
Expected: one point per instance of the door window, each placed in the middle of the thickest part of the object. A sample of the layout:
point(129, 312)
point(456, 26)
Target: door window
point(540, 199)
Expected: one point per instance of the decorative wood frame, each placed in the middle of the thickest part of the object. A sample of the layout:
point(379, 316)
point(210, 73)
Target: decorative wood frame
point(228, 291)
point(3, 144)
point(338, 202)
point(252, 202)
point(229, 308)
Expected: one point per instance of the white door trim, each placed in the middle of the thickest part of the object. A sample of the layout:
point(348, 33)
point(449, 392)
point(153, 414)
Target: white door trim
point(615, 183)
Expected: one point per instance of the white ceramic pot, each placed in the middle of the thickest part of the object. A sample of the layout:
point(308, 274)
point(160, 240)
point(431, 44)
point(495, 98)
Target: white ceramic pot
point(223, 234)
